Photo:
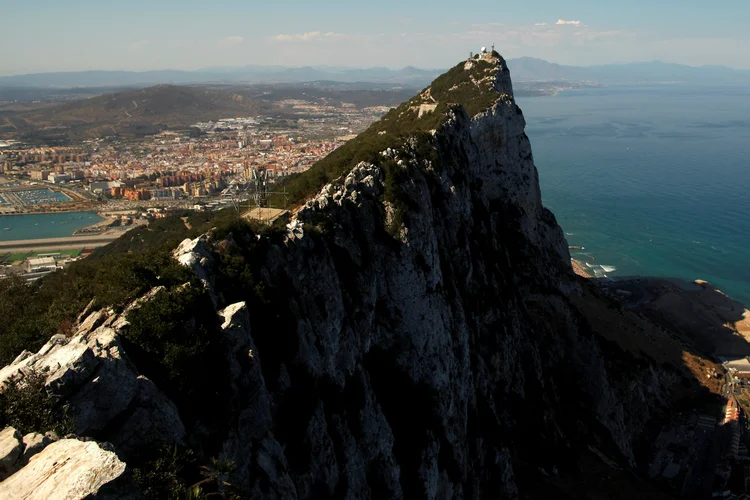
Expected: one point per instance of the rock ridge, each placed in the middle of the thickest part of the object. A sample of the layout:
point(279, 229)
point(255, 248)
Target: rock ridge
point(415, 331)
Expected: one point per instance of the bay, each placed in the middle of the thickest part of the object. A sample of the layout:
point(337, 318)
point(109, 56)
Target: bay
point(651, 180)
point(39, 226)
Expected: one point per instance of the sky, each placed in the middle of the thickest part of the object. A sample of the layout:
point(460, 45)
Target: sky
point(139, 35)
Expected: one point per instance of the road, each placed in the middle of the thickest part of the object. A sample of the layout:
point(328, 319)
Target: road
point(68, 242)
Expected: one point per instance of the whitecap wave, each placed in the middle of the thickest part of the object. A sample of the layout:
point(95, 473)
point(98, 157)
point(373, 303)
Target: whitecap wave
point(608, 269)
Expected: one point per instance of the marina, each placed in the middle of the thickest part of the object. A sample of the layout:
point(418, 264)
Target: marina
point(33, 197)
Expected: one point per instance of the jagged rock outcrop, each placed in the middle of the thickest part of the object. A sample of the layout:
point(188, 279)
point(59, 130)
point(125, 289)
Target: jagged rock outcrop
point(11, 448)
point(416, 332)
point(454, 359)
point(108, 399)
point(33, 443)
point(69, 469)
point(194, 254)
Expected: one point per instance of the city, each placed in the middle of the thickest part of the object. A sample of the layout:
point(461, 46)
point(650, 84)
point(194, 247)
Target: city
point(347, 250)
point(128, 181)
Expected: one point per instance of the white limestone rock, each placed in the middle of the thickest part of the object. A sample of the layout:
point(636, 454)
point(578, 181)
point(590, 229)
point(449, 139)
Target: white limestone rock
point(68, 469)
point(94, 377)
point(33, 443)
point(11, 447)
point(195, 255)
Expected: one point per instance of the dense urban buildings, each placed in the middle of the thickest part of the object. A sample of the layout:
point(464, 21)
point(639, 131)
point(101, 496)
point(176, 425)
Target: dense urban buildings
point(203, 162)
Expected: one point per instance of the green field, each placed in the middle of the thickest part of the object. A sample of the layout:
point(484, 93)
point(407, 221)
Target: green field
point(19, 257)
point(14, 257)
point(72, 253)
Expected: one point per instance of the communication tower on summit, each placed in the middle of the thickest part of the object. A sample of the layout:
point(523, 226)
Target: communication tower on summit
point(260, 180)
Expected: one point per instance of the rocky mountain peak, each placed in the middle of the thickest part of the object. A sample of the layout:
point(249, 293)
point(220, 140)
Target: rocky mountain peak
point(415, 331)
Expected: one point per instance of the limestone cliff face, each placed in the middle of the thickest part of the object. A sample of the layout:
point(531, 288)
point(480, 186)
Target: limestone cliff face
point(452, 361)
point(447, 353)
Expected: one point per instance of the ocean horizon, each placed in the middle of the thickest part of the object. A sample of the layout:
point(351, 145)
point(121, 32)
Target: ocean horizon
point(650, 180)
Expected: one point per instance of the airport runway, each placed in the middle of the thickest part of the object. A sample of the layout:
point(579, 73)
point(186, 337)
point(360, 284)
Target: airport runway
point(68, 242)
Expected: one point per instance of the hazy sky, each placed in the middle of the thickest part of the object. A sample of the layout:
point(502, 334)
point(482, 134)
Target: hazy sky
point(54, 35)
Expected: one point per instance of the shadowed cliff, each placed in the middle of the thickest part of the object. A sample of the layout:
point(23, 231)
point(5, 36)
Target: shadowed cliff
point(415, 331)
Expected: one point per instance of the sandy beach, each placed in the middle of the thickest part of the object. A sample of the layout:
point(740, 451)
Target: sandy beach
point(579, 269)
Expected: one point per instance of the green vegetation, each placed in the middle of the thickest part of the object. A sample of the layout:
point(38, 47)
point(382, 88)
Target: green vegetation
point(470, 89)
point(15, 257)
point(173, 339)
point(26, 405)
point(72, 252)
point(113, 275)
point(163, 476)
point(160, 475)
point(19, 257)
point(34, 312)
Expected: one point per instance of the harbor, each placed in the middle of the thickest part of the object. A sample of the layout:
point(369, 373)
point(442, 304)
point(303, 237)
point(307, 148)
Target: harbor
point(44, 226)
point(29, 197)
point(34, 245)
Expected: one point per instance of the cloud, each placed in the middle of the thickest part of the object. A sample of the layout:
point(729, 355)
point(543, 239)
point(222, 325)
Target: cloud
point(231, 40)
point(537, 39)
point(564, 22)
point(310, 36)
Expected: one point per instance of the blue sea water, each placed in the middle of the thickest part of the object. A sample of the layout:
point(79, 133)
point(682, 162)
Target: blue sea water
point(651, 180)
point(38, 226)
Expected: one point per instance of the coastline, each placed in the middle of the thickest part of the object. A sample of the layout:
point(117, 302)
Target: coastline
point(94, 208)
point(24, 230)
point(97, 227)
point(579, 269)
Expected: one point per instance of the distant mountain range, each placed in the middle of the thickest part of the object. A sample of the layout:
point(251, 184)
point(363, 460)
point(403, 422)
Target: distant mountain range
point(531, 69)
point(131, 113)
point(408, 76)
point(523, 69)
point(146, 111)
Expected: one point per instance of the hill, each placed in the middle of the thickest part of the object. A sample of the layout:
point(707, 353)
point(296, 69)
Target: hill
point(130, 113)
point(240, 74)
point(415, 330)
point(416, 118)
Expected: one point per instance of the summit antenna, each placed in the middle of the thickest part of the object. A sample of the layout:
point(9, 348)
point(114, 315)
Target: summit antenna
point(260, 179)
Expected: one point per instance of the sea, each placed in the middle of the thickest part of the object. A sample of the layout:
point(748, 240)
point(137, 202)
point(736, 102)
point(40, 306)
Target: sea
point(39, 226)
point(650, 180)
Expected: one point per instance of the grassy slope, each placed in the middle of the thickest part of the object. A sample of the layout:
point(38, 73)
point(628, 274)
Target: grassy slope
point(454, 88)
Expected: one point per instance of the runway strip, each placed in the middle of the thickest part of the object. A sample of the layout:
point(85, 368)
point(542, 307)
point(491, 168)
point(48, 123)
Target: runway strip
point(69, 242)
